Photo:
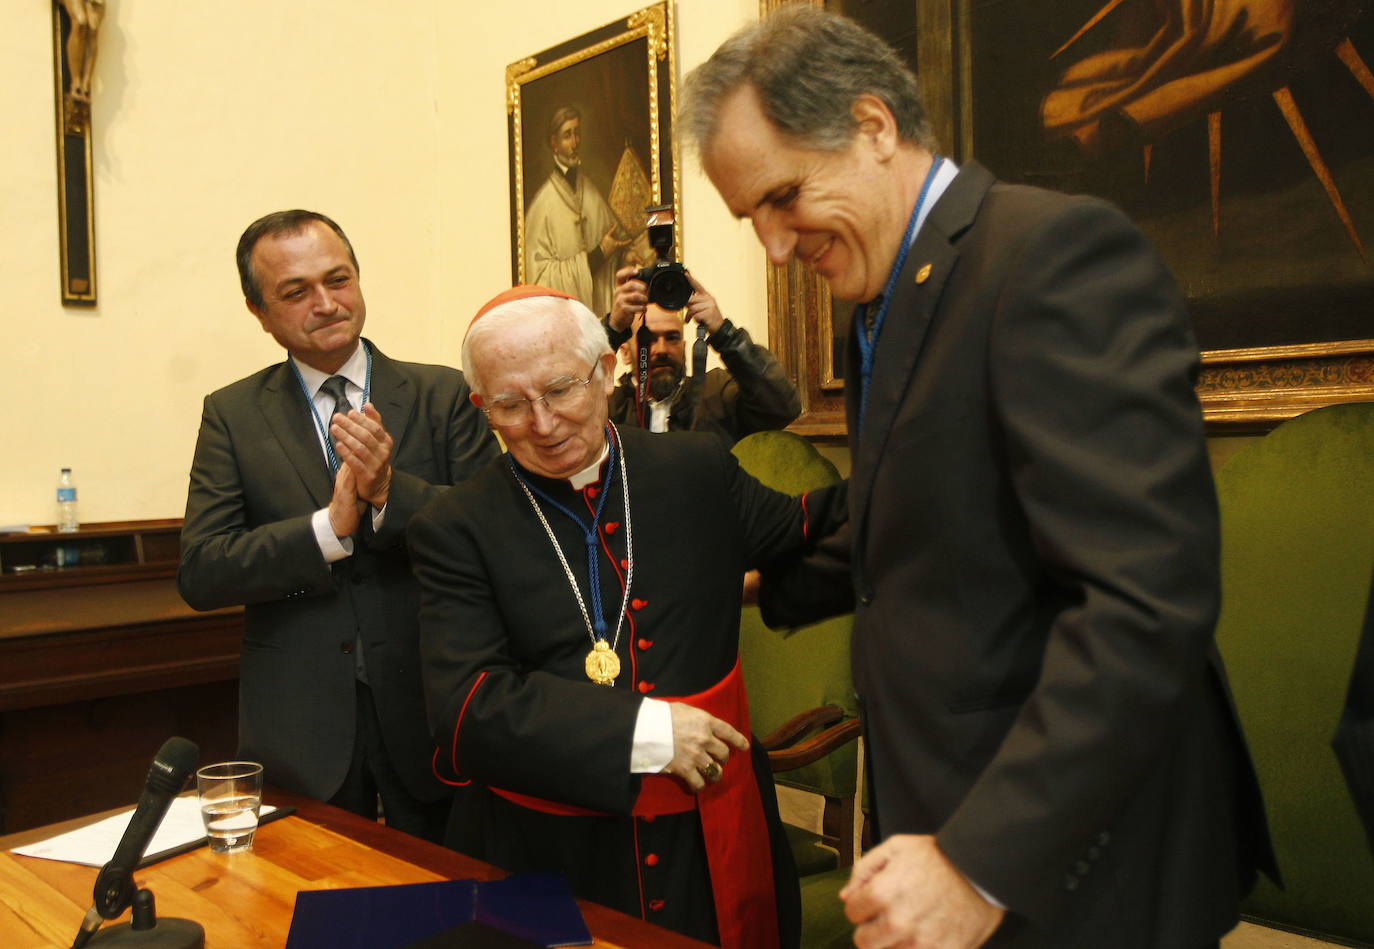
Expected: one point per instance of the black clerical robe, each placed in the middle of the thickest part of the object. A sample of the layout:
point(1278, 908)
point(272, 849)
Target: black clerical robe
point(504, 642)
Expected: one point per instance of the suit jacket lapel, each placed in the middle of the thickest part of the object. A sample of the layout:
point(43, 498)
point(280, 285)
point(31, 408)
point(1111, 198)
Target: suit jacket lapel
point(287, 414)
point(394, 397)
point(905, 326)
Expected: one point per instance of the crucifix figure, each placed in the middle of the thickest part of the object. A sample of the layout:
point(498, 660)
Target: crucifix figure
point(76, 26)
point(86, 16)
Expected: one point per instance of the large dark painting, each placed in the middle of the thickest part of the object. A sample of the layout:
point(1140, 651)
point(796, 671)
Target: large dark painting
point(1239, 134)
point(1235, 132)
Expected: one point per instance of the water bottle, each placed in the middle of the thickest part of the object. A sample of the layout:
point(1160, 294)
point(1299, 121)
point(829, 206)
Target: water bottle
point(66, 502)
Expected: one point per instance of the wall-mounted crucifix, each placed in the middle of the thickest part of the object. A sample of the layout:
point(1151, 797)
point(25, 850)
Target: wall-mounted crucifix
point(75, 30)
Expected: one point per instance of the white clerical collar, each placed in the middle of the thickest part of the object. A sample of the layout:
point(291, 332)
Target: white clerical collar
point(354, 370)
point(591, 473)
point(564, 168)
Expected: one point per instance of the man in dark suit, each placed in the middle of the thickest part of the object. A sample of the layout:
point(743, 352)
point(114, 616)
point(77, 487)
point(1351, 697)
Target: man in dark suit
point(305, 477)
point(1032, 543)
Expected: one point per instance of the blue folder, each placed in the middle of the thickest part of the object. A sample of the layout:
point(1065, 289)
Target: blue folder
point(538, 908)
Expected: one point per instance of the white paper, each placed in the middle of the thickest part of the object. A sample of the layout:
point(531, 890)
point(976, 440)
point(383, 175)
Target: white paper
point(94, 844)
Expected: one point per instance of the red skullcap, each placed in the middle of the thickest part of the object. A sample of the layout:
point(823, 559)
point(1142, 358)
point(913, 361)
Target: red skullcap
point(519, 292)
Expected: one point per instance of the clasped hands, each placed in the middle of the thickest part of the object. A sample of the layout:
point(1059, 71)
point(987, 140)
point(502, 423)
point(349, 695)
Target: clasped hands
point(701, 746)
point(364, 476)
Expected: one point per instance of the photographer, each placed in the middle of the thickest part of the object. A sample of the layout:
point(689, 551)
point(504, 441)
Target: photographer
point(750, 394)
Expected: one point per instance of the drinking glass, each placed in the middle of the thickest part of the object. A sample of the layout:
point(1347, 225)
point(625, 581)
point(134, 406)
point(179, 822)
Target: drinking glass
point(230, 796)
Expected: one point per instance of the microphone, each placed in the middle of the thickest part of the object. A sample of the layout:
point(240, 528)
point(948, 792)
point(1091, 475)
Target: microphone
point(114, 887)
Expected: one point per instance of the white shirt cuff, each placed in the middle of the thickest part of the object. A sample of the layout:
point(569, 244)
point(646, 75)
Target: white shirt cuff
point(986, 895)
point(653, 740)
point(378, 515)
point(333, 548)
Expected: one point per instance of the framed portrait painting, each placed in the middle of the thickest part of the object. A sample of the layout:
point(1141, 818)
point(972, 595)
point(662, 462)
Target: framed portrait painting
point(1238, 134)
point(591, 148)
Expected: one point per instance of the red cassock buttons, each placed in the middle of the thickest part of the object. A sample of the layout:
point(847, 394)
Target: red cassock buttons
point(611, 527)
point(624, 564)
point(645, 643)
point(651, 860)
point(655, 905)
point(645, 686)
point(638, 604)
point(590, 490)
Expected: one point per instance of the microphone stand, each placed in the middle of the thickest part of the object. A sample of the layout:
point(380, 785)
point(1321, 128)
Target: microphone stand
point(143, 931)
point(115, 888)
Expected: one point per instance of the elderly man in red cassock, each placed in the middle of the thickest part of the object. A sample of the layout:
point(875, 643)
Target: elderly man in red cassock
point(579, 629)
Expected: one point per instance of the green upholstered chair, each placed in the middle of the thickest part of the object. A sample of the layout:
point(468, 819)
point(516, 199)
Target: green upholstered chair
point(1297, 517)
point(801, 697)
point(824, 924)
point(801, 700)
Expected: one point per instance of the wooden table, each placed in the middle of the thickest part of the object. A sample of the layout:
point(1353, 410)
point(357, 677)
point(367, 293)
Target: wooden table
point(244, 901)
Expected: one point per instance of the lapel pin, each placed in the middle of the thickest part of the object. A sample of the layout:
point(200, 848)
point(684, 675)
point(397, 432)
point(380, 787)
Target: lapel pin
point(923, 274)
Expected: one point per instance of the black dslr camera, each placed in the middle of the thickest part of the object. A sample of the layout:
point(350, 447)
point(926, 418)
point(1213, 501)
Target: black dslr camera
point(666, 279)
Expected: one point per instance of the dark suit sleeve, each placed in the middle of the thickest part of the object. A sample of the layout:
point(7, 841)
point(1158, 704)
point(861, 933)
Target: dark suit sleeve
point(806, 588)
point(224, 562)
point(773, 524)
point(494, 720)
point(466, 444)
point(1092, 371)
point(800, 544)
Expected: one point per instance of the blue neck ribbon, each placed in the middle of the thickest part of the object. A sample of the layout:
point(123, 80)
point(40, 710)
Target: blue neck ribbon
point(589, 532)
point(868, 335)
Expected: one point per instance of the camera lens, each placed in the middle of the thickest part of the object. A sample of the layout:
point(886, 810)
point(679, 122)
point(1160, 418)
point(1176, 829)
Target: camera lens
point(670, 288)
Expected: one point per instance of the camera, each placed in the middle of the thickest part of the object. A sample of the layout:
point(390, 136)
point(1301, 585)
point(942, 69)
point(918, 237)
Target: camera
point(666, 279)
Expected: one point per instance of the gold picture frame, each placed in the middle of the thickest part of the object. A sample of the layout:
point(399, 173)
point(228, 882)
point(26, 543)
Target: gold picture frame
point(1241, 387)
point(611, 93)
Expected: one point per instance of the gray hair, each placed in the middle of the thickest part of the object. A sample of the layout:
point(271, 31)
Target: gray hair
point(807, 66)
point(587, 337)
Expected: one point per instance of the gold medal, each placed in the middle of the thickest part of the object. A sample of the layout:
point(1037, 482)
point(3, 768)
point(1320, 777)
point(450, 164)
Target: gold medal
point(602, 664)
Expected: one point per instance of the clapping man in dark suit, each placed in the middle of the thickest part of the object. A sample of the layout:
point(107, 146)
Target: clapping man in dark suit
point(1031, 551)
point(305, 477)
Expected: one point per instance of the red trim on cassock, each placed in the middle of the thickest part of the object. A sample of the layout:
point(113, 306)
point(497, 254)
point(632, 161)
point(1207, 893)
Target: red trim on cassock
point(453, 750)
point(738, 852)
point(639, 872)
point(806, 519)
point(434, 767)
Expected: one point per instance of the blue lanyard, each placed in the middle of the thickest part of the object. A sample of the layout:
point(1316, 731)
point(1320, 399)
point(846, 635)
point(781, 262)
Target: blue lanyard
point(589, 533)
point(329, 451)
point(868, 338)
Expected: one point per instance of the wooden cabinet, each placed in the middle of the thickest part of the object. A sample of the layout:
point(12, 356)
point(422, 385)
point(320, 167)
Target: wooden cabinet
point(110, 552)
point(100, 663)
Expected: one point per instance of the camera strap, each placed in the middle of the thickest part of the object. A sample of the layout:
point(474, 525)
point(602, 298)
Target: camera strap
point(644, 339)
point(698, 380)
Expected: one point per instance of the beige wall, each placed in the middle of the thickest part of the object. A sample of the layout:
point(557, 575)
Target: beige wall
point(388, 117)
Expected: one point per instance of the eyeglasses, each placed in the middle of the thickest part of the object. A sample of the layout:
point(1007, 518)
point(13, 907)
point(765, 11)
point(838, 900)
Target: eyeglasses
point(564, 396)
